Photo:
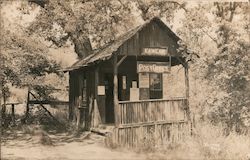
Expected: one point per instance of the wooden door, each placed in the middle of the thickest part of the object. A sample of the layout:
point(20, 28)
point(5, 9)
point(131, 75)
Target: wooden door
point(109, 101)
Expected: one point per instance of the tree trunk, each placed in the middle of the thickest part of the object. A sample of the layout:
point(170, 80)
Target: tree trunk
point(82, 45)
point(3, 114)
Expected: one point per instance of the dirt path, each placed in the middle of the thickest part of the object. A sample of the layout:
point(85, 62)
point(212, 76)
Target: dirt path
point(64, 147)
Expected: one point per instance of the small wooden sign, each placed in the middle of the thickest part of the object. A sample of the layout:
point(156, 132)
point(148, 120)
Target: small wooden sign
point(153, 67)
point(155, 51)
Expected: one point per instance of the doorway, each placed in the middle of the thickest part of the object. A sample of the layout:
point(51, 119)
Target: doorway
point(109, 100)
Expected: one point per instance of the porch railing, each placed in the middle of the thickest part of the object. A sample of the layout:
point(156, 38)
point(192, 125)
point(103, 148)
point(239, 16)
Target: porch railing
point(161, 121)
point(145, 112)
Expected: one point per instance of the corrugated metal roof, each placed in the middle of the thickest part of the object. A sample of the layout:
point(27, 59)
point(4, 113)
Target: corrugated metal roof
point(107, 51)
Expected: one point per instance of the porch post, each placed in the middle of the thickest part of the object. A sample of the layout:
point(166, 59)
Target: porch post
point(96, 81)
point(96, 117)
point(116, 106)
point(187, 88)
point(187, 81)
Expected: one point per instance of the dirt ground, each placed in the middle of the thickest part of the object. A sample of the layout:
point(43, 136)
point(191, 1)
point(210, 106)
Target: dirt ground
point(87, 146)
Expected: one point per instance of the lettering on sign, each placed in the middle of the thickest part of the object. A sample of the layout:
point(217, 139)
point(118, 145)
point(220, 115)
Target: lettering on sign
point(155, 51)
point(153, 67)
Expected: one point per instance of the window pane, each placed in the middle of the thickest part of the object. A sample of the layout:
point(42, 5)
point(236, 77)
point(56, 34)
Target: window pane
point(155, 86)
point(155, 82)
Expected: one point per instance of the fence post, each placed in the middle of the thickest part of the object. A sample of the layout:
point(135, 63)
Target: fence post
point(27, 105)
point(13, 114)
point(3, 107)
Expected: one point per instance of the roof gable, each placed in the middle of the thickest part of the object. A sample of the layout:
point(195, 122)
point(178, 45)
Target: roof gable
point(107, 51)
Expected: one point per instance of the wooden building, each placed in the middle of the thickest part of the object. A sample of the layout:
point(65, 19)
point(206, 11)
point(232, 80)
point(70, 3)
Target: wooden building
point(125, 85)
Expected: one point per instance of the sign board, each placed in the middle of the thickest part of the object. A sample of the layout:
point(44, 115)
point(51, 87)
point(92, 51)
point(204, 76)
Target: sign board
point(101, 90)
point(143, 80)
point(155, 51)
point(153, 67)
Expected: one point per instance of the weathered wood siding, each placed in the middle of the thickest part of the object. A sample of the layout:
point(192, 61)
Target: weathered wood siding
point(79, 112)
point(150, 135)
point(73, 94)
point(153, 35)
point(151, 111)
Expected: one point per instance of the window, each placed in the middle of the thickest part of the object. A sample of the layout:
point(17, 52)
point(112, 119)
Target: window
point(155, 85)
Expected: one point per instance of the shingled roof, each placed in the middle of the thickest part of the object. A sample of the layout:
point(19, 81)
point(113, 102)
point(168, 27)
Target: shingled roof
point(107, 51)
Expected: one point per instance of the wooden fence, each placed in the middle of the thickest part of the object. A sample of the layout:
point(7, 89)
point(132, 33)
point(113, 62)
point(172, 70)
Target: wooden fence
point(151, 121)
point(151, 111)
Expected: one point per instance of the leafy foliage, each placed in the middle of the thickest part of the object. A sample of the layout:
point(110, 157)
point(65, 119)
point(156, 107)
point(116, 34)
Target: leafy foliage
point(99, 21)
point(223, 69)
point(24, 59)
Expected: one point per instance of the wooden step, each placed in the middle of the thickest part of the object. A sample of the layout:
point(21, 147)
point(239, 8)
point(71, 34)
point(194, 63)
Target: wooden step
point(103, 129)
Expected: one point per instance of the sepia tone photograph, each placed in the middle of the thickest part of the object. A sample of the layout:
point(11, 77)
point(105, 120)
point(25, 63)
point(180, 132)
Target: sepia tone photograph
point(124, 80)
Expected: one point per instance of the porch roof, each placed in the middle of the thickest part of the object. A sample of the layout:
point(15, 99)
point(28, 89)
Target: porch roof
point(107, 51)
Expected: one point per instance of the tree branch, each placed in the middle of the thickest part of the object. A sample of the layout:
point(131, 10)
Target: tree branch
point(220, 10)
point(232, 10)
point(210, 36)
point(182, 6)
point(203, 29)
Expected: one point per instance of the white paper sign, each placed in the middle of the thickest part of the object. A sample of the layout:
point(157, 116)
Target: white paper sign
point(134, 84)
point(166, 80)
point(134, 94)
point(124, 82)
point(143, 80)
point(101, 90)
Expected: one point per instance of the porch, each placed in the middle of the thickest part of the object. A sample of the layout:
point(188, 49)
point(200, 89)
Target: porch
point(160, 121)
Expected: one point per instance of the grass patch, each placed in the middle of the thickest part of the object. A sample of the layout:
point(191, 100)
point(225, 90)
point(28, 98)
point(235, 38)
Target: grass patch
point(208, 142)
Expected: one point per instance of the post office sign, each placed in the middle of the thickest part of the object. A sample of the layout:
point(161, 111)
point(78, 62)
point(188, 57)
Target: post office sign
point(153, 67)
